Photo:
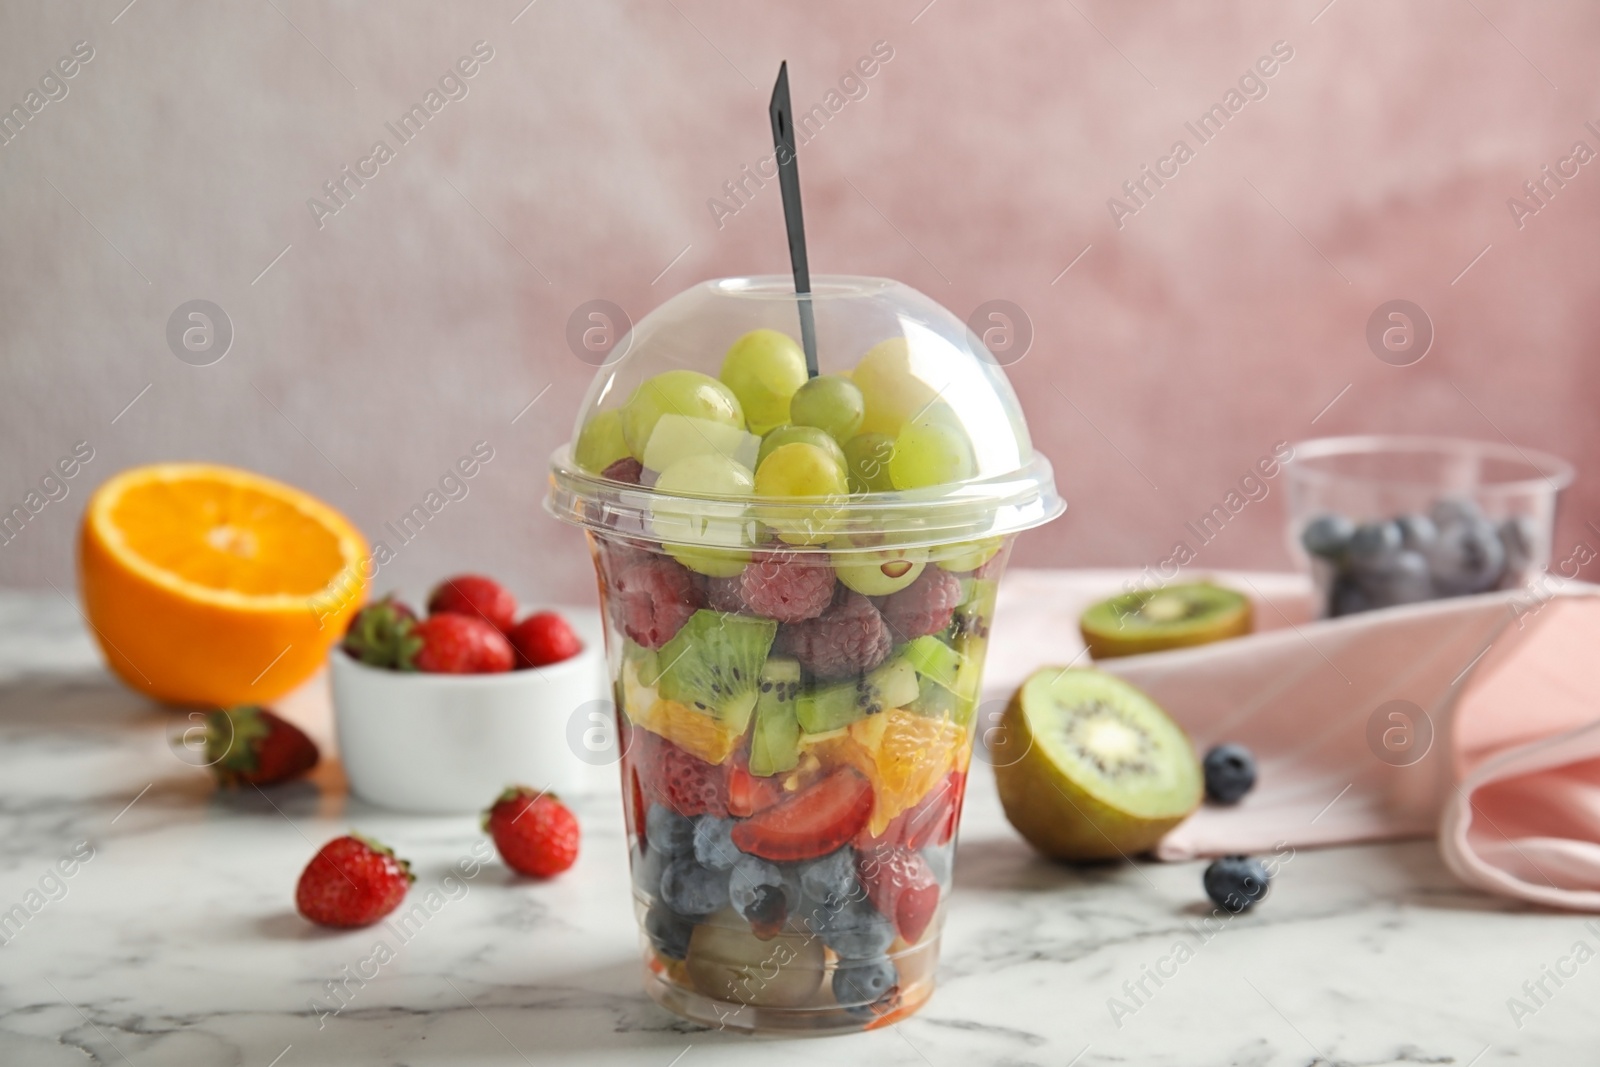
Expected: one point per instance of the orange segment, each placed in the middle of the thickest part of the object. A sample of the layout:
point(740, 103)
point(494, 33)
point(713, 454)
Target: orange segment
point(213, 585)
point(692, 730)
point(909, 754)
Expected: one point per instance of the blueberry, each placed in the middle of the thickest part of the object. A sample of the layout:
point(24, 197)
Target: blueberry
point(713, 843)
point(1327, 536)
point(1347, 597)
point(1416, 532)
point(767, 909)
point(1236, 883)
point(831, 879)
point(668, 831)
point(855, 931)
point(647, 870)
point(1454, 509)
point(1373, 541)
point(1518, 535)
point(1230, 773)
point(690, 889)
point(669, 933)
point(750, 881)
point(1403, 578)
point(1467, 557)
point(860, 986)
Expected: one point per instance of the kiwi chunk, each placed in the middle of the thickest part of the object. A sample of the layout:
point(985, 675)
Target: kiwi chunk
point(829, 707)
point(775, 740)
point(1091, 768)
point(1177, 616)
point(714, 664)
point(933, 659)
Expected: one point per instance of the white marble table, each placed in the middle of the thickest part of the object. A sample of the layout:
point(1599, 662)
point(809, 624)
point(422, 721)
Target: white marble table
point(175, 943)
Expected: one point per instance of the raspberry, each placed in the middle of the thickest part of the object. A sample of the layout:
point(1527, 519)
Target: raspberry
point(653, 599)
point(722, 594)
point(780, 585)
point(686, 784)
point(847, 639)
point(618, 554)
point(923, 607)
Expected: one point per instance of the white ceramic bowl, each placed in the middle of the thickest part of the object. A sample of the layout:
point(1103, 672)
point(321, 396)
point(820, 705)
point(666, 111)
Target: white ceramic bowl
point(449, 743)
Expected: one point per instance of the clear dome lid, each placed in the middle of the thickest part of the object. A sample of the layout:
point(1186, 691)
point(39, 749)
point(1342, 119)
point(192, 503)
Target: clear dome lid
point(706, 427)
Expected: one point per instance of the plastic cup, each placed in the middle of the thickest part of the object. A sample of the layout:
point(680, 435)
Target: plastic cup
point(796, 677)
point(1387, 520)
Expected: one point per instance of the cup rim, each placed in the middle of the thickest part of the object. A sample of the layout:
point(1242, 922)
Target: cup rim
point(1551, 472)
point(340, 660)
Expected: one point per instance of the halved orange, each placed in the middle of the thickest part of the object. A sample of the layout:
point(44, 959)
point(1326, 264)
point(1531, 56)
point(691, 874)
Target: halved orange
point(212, 585)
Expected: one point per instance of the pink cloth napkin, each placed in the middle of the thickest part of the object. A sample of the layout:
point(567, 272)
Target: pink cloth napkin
point(1475, 719)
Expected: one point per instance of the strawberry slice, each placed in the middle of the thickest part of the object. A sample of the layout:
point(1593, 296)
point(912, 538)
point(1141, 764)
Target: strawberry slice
point(901, 885)
point(749, 793)
point(812, 822)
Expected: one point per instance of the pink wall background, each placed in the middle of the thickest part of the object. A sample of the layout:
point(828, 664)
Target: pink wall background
point(1220, 319)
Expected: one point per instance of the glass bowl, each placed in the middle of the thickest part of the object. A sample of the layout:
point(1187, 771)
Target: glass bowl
point(1386, 520)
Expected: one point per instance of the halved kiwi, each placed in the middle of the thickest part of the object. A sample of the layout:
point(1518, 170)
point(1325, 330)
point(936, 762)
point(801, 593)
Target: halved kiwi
point(1090, 767)
point(1176, 616)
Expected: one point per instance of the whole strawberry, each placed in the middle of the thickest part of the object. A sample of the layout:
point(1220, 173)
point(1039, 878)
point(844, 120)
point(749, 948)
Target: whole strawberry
point(458, 644)
point(380, 633)
point(475, 595)
point(543, 638)
point(252, 746)
point(535, 833)
point(352, 881)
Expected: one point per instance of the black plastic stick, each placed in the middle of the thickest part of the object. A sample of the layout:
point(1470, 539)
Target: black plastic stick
point(789, 184)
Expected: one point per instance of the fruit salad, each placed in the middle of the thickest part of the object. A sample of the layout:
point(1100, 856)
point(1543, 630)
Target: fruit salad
point(798, 557)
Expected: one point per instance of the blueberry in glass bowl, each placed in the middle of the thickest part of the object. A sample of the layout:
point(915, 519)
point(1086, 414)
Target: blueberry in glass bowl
point(1385, 521)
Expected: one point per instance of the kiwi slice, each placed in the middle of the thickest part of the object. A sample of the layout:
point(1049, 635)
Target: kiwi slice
point(1090, 767)
point(1176, 616)
point(934, 700)
point(714, 664)
point(775, 740)
point(829, 707)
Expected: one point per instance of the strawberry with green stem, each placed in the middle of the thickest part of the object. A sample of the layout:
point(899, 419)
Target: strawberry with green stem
point(251, 746)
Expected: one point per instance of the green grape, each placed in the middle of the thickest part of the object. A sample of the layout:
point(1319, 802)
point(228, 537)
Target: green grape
point(930, 451)
point(676, 392)
point(970, 555)
point(891, 393)
point(706, 535)
point(867, 462)
point(712, 562)
point(803, 471)
point(831, 403)
point(880, 573)
point(600, 442)
point(800, 470)
point(805, 435)
point(764, 368)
